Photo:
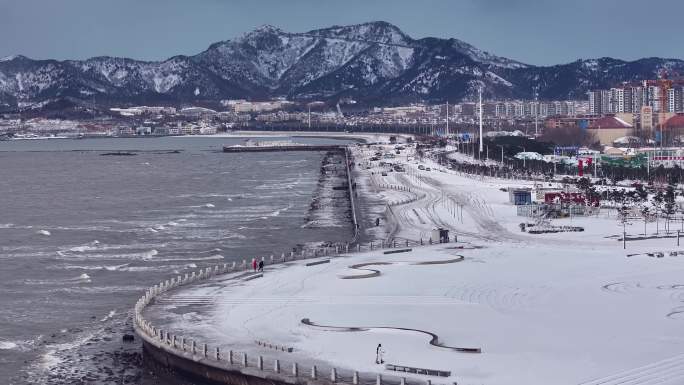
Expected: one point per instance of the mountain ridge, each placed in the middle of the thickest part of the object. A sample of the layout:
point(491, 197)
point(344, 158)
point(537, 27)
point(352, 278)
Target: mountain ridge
point(373, 62)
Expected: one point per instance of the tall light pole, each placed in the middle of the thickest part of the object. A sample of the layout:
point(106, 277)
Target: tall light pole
point(481, 144)
point(536, 112)
point(502, 155)
point(447, 119)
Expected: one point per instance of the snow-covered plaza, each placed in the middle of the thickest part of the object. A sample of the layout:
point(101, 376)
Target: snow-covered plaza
point(564, 308)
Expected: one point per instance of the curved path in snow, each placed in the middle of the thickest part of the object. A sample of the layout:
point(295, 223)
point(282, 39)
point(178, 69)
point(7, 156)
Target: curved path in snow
point(376, 273)
point(434, 341)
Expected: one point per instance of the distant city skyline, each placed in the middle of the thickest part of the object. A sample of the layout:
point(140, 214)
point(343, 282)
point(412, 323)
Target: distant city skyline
point(531, 31)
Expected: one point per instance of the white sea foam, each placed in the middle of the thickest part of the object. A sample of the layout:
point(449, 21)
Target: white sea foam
point(209, 205)
point(144, 255)
point(109, 315)
point(43, 232)
point(139, 269)
point(6, 225)
point(8, 345)
point(96, 267)
point(210, 258)
point(148, 255)
point(89, 247)
point(52, 357)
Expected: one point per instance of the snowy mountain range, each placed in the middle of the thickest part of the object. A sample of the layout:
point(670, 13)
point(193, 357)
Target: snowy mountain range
point(373, 62)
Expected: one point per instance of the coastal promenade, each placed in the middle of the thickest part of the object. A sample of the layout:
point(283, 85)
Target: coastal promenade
point(209, 360)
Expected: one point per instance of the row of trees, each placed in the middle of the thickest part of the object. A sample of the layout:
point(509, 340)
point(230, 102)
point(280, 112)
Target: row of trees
point(635, 205)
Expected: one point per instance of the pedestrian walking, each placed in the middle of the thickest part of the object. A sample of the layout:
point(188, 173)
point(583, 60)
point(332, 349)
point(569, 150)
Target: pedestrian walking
point(254, 264)
point(379, 355)
point(261, 265)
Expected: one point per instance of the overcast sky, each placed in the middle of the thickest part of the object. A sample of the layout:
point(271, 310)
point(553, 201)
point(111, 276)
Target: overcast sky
point(533, 31)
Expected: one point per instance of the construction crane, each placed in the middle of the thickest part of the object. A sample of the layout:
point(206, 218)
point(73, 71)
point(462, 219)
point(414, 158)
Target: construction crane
point(664, 84)
point(666, 80)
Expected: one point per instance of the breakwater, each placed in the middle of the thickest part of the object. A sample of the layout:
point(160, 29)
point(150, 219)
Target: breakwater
point(290, 147)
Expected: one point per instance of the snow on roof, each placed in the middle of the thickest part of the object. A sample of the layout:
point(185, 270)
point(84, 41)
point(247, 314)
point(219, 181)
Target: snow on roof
point(627, 140)
point(609, 122)
point(529, 155)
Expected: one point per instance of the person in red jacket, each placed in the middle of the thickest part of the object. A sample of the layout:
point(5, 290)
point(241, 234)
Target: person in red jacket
point(254, 264)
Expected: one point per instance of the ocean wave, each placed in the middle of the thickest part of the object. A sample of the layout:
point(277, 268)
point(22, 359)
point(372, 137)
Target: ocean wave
point(140, 269)
point(210, 195)
point(43, 232)
point(210, 258)
point(96, 267)
point(6, 225)
point(278, 211)
point(83, 278)
point(88, 247)
point(66, 255)
point(99, 289)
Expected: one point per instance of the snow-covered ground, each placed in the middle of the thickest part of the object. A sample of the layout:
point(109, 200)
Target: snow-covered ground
point(564, 308)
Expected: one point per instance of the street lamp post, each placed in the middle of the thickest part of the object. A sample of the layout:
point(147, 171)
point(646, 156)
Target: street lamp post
point(524, 156)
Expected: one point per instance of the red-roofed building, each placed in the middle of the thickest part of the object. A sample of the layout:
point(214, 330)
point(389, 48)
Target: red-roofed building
point(609, 128)
point(675, 122)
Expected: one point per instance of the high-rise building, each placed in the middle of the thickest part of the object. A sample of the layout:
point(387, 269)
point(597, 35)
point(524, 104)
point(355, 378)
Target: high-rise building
point(639, 98)
point(674, 99)
point(620, 100)
point(500, 110)
point(599, 102)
